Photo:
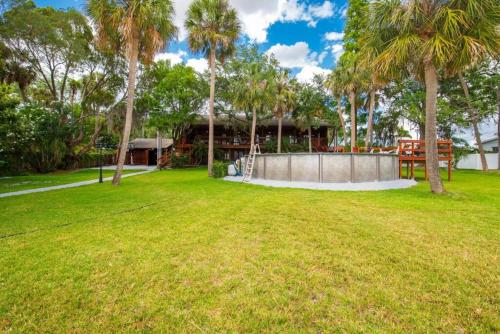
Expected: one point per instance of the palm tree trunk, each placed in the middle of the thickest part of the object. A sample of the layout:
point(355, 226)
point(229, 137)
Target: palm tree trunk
point(254, 124)
point(352, 101)
point(309, 133)
point(498, 125)
point(280, 119)
point(341, 117)
point(211, 112)
point(421, 131)
point(473, 115)
point(431, 149)
point(369, 130)
point(132, 73)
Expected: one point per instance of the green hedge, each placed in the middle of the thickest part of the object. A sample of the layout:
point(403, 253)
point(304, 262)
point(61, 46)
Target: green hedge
point(220, 169)
point(91, 159)
point(179, 161)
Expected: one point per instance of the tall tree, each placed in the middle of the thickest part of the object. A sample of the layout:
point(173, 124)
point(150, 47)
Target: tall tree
point(253, 88)
point(349, 64)
point(139, 28)
point(172, 96)
point(284, 99)
point(47, 42)
point(472, 95)
point(309, 109)
point(213, 29)
point(335, 84)
point(426, 36)
point(354, 80)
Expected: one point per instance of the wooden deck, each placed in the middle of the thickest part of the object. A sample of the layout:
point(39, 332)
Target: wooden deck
point(413, 151)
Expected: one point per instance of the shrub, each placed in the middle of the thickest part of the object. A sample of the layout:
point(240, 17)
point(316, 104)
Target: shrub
point(91, 159)
point(220, 169)
point(179, 161)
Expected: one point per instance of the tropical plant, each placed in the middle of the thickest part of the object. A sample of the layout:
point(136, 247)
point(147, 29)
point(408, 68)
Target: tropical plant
point(213, 29)
point(139, 28)
point(284, 100)
point(309, 110)
point(353, 78)
point(253, 88)
point(172, 96)
point(425, 36)
point(335, 84)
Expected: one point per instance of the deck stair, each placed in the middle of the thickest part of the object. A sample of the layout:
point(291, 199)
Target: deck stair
point(165, 160)
point(255, 149)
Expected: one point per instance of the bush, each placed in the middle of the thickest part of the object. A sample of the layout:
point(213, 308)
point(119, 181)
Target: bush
point(91, 159)
point(220, 169)
point(179, 161)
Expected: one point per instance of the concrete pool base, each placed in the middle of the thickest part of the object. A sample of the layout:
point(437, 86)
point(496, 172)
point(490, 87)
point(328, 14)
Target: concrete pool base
point(339, 186)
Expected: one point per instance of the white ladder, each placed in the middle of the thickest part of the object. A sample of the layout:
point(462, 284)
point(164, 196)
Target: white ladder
point(254, 149)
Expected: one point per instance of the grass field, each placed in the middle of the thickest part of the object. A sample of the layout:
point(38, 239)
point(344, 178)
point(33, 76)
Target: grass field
point(17, 183)
point(175, 251)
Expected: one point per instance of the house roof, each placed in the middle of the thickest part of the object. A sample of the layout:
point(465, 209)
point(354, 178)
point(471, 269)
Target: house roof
point(224, 120)
point(148, 143)
point(489, 140)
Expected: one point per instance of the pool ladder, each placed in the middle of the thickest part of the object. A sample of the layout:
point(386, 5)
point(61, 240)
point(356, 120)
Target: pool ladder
point(255, 149)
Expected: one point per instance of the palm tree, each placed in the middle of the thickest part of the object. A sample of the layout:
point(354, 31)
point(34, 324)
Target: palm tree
point(213, 29)
point(284, 100)
point(374, 84)
point(139, 28)
point(335, 84)
point(353, 79)
point(253, 90)
point(310, 108)
point(74, 86)
point(473, 113)
point(423, 37)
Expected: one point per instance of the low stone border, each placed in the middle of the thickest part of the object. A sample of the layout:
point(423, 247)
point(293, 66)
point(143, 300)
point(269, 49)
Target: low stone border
point(339, 186)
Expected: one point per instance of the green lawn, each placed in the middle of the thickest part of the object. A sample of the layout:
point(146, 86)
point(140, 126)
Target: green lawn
point(17, 183)
point(175, 251)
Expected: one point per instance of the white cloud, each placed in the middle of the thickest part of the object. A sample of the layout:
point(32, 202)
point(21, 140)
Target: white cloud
point(200, 65)
point(181, 7)
point(343, 13)
point(307, 73)
point(293, 56)
point(175, 58)
point(334, 36)
point(323, 11)
point(322, 56)
point(337, 51)
point(258, 15)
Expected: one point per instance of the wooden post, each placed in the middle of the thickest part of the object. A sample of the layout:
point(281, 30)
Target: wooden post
point(412, 160)
point(158, 149)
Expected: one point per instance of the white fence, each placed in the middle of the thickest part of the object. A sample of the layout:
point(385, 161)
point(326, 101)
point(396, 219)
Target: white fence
point(473, 161)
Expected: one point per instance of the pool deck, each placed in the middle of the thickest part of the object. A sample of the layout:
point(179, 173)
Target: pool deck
point(338, 186)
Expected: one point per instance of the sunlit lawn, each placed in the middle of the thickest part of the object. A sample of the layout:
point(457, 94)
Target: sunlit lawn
point(175, 251)
point(17, 183)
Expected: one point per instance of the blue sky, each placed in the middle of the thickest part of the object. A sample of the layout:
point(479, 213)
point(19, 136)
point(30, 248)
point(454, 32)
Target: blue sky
point(304, 35)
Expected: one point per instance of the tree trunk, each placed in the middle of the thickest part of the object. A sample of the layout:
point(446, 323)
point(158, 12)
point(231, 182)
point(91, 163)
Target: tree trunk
point(341, 117)
point(280, 119)
point(254, 124)
point(431, 149)
point(211, 112)
point(421, 131)
point(369, 130)
point(498, 125)
point(352, 101)
point(132, 73)
point(158, 149)
point(309, 133)
point(474, 115)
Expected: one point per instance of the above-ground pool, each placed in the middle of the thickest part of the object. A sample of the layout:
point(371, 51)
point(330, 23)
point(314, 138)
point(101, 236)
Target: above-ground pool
point(326, 167)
